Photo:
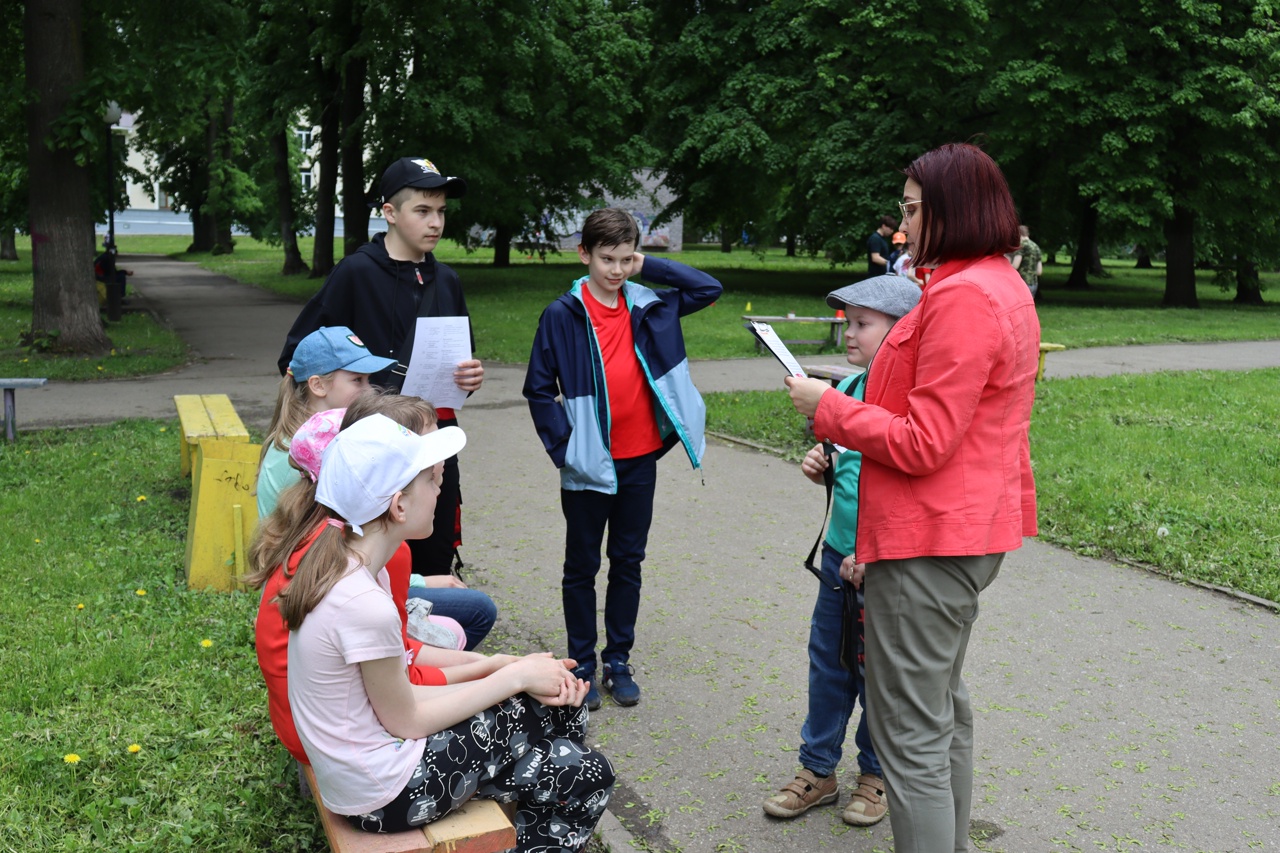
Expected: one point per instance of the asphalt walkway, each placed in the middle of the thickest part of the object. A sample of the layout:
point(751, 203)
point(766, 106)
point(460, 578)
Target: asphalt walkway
point(1116, 709)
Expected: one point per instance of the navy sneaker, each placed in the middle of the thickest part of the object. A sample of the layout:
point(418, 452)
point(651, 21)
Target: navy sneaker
point(588, 674)
point(620, 684)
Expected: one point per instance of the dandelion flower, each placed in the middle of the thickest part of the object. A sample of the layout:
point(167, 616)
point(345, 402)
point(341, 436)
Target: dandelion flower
point(141, 498)
point(79, 607)
point(99, 366)
point(71, 758)
point(206, 643)
point(164, 429)
point(1162, 532)
point(37, 541)
point(135, 748)
point(140, 592)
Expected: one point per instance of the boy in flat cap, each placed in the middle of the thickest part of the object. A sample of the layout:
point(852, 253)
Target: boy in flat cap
point(380, 291)
point(836, 683)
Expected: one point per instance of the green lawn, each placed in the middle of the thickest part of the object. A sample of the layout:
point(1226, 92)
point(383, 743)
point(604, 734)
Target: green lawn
point(104, 649)
point(141, 345)
point(1178, 470)
point(133, 711)
point(505, 303)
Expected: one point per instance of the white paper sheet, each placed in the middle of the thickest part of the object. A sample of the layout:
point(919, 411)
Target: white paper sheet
point(770, 339)
point(440, 344)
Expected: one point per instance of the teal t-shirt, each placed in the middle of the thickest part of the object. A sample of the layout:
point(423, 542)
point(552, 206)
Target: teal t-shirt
point(275, 474)
point(842, 533)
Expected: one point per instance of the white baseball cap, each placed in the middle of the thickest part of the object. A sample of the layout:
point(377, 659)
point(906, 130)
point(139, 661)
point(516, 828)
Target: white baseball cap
point(371, 460)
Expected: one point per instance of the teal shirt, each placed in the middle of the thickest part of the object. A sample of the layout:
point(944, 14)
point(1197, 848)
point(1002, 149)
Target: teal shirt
point(842, 533)
point(274, 476)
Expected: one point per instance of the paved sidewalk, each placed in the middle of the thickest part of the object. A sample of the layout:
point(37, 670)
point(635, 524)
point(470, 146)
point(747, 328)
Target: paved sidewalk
point(1116, 709)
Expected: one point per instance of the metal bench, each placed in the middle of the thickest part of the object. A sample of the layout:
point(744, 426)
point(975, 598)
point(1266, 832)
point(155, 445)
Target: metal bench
point(1044, 349)
point(10, 418)
point(836, 324)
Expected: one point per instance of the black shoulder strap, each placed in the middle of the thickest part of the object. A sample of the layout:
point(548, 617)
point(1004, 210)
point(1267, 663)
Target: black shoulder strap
point(828, 480)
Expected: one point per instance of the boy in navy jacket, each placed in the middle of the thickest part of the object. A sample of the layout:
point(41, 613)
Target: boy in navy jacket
point(614, 352)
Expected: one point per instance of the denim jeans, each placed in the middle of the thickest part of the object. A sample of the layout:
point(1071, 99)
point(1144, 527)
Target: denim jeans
point(627, 515)
point(832, 688)
point(473, 609)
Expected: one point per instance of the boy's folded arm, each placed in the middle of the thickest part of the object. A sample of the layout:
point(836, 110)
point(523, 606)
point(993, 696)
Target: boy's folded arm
point(697, 289)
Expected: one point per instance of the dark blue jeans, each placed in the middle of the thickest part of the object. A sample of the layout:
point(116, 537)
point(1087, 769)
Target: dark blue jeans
point(627, 516)
point(832, 688)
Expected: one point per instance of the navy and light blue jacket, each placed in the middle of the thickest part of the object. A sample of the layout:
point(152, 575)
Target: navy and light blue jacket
point(566, 361)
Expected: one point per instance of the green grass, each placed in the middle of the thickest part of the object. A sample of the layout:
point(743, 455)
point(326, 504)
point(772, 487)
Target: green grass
point(102, 648)
point(1177, 470)
point(128, 668)
point(505, 303)
point(141, 345)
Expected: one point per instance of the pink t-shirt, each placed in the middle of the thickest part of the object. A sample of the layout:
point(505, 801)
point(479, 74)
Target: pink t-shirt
point(359, 765)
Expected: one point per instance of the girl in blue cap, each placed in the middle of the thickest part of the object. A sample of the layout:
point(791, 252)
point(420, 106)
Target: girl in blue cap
point(329, 370)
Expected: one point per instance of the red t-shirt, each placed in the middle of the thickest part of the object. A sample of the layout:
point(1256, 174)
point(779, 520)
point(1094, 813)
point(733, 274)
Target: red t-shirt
point(271, 638)
point(633, 428)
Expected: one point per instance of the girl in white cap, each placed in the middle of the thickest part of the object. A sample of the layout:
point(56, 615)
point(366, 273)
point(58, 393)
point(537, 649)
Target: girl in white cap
point(390, 755)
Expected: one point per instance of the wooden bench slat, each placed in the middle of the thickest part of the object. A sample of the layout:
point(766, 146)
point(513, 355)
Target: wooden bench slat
point(205, 416)
point(223, 416)
point(480, 826)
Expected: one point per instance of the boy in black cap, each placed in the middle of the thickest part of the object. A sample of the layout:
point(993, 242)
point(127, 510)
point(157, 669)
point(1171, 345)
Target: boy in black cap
point(379, 292)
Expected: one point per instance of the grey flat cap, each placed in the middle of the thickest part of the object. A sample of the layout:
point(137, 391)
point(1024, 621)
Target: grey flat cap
point(894, 295)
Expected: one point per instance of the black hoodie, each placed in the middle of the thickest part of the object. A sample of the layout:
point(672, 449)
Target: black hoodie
point(380, 300)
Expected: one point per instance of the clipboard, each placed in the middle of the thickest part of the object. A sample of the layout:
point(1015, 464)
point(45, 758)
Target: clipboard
point(769, 339)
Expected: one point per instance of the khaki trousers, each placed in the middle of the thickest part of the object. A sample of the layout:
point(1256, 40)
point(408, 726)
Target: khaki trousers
point(919, 614)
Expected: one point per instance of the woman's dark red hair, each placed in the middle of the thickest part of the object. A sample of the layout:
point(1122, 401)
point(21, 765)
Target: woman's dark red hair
point(967, 211)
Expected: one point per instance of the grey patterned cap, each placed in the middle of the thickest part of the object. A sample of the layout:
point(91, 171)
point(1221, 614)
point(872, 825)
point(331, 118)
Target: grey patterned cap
point(894, 295)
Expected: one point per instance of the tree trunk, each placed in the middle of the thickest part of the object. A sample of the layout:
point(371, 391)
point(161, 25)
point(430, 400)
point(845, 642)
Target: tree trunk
point(327, 165)
point(791, 245)
point(1095, 260)
point(1144, 259)
point(204, 225)
point(203, 230)
point(355, 206)
point(64, 300)
point(8, 246)
point(222, 243)
point(726, 239)
point(1180, 260)
point(1248, 286)
point(502, 245)
point(293, 263)
point(1086, 249)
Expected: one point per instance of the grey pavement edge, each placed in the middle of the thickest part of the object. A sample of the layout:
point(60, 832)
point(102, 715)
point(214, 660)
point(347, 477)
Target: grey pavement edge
point(1114, 708)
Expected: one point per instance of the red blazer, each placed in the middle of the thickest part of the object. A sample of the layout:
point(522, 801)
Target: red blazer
point(946, 460)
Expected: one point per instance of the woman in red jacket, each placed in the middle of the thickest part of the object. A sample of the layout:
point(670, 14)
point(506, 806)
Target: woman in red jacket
point(946, 481)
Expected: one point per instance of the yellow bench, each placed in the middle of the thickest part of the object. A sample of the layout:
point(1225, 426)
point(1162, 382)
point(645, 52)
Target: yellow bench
point(480, 826)
point(223, 464)
point(1045, 349)
point(206, 416)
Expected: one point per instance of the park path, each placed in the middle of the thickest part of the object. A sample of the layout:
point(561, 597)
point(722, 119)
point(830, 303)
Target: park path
point(1115, 708)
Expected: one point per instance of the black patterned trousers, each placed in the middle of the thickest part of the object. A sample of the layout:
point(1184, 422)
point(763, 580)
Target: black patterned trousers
point(519, 751)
